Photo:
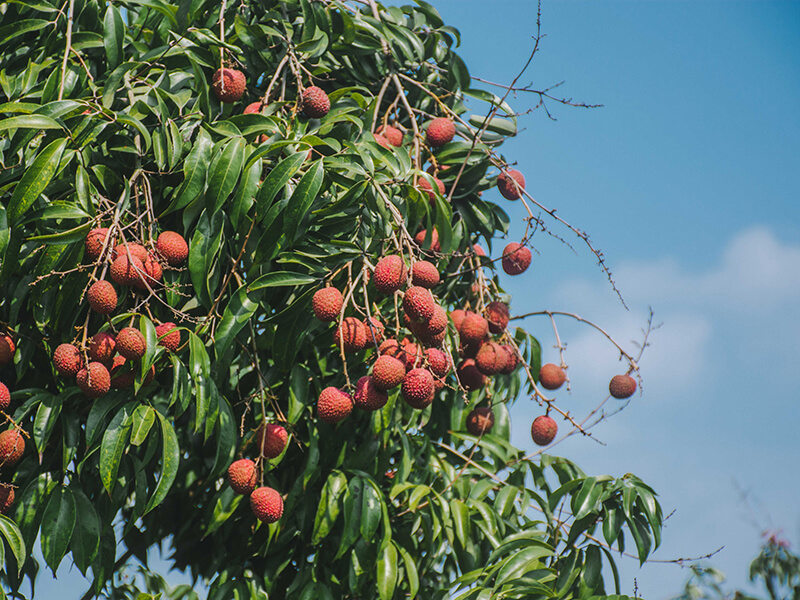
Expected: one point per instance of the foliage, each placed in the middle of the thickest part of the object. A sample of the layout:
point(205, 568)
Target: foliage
point(108, 119)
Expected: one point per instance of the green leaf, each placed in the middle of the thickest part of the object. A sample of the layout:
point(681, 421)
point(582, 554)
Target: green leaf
point(410, 565)
point(352, 515)
point(113, 36)
point(170, 460)
point(46, 418)
point(224, 173)
point(461, 521)
point(304, 195)
point(35, 179)
point(585, 501)
point(280, 279)
point(371, 511)
point(277, 179)
point(141, 421)
point(86, 535)
point(13, 538)
point(115, 440)
point(329, 506)
point(58, 523)
point(29, 122)
point(387, 572)
point(237, 314)
point(195, 166)
point(520, 563)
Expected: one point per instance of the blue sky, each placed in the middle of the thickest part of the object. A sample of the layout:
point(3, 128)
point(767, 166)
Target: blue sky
point(688, 181)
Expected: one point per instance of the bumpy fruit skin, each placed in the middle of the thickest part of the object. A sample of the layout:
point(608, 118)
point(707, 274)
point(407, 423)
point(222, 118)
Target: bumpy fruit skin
point(383, 141)
point(102, 297)
point(169, 336)
point(480, 420)
point(130, 248)
point(5, 396)
point(474, 328)
point(12, 447)
point(507, 184)
point(435, 245)
point(516, 258)
point(334, 405)
point(94, 380)
point(152, 274)
point(375, 331)
point(414, 355)
point(368, 397)
point(125, 271)
point(102, 347)
point(512, 360)
point(252, 108)
point(392, 134)
point(622, 386)
point(315, 102)
point(390, 274)
point(440, 131)
point(388, 372)
point(417, 389)
point(228, 85)
point(173, 248)
point(457, 317)
point(424, 274)
point(94, 242)
point(327, 304)
point(266, 504)
point(7, 349)
point(243, 476)
point(122, 375)
point(131, 343)
point(425, 186)
point(551, 377)
point(354, 335)
point(418, 303)
point(543, 430)
point(497, 314)
point(437, 361)
point(6, 498)
point(490, 358)
point(67, 360)
point(469, 375)
point(272, 439)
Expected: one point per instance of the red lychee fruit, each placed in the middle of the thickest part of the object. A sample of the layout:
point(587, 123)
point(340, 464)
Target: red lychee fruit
point(457, 317)
point(392, 348)
point(272, 439)
point(131, 343)
point(368, 397)
point(327, 304)
point(432, 332)
point(383, 141)
point(434, 246)
point(102, 297)
point(478, 250)
point(511, 183)
point(354, 335)
point(132, 249)
point(94, 380)
point(102, 347)
point(173, 248)
point(6, 498)
point(418, 303)
point(12, 447)
point(375, 331)
point(122, 375)
point(414, 355)
point(388, 372)
point(424, 274)
point(125, 271)
point(253, 108)
point(497, 315)
point(228, 85)
point(474, 328)
point(440, 131)
point(543, 430)
point(438, 362)
point(94, 242)
point(5, 396)
point(315, 102)
point(392, 134)
point(469, 375)
point(516, 258)
point(512, 360)
point(425, 186)
point(480, 420)
point(390, 274)
point(169, 336)
point(153, 273)
point(266, 504)
point(551, 377)
point(67, 360)
point(417, 389)
point(622, 386)
point(334, 405)
point(490, 358)
point(7, 349)
point(243, 476)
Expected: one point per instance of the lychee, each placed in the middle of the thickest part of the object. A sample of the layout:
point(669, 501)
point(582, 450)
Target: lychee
point(315, 102)
point(474, 328)
point(438, 362)
point(388, 372)
point(153, 273)
point(173, 248)
point(418, 303)
point(169, 336)
point(543, 430)
point(368, 397)
point(94, 242)
point(125, 271)
point(425, 186)
point(478, 250)
point(382, 141)
point(94, 380)
point(12, 447)
point(440, 131)
point(102, 347)
point(390, 274)
point(480, 420)
point(434, 246)
point(266, 504)
point(132, 249)
point(228, 85)
point(353, 335)
point(497, 315)
point(511, 183)
point(393, 135)
point(457, 317)
point(469, 375)
point(622, 386)
point(490, 358)
point(272, 439)
point(67, 360)
point(131, 343)
point(102, 297)
point(6, 498)
point(417, 388)
point(253, 108)
point(516, 258)
point(243, 476)
point(424, 274)
point(414, 355)
point(512, 360)
point(375, 331)
point(334, 405)
point(122, 375)
point(551, 377)
point(327, 304)
point(5, 396)
point(7, 349)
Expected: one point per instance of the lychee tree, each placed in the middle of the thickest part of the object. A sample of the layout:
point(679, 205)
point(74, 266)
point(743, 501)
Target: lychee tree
point(215, 220)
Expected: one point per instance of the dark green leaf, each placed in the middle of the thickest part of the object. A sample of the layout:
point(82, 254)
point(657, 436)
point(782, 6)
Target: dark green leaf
point(58, 523)
point(35, 179)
